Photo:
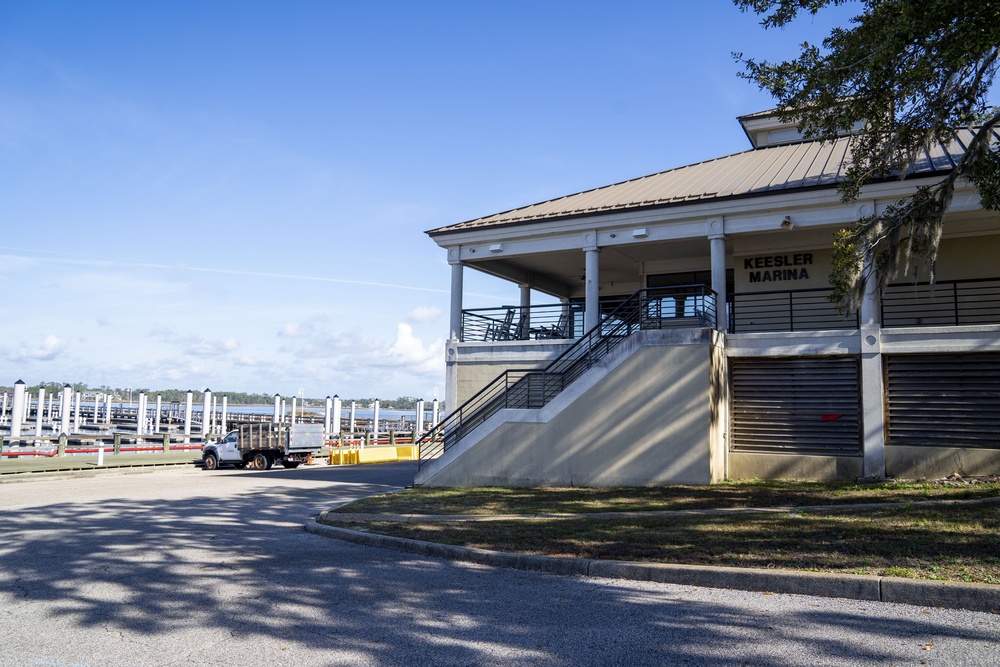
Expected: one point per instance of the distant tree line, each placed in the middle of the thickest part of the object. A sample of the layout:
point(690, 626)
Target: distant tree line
point(180, 395)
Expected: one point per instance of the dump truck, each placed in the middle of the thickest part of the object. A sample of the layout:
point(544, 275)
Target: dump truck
point(260, 446)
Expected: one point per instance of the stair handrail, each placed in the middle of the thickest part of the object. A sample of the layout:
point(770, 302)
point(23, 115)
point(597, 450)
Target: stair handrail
point(512, 389)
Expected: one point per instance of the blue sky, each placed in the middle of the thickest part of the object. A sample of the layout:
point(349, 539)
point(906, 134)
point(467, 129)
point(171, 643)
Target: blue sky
point(234, 195)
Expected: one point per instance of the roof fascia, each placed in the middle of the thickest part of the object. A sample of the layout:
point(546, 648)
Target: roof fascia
point(677, 213)
point(807, 209)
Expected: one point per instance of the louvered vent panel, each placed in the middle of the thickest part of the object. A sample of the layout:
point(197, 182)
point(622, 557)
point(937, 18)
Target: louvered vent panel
point(944, 400)
point(803, 405)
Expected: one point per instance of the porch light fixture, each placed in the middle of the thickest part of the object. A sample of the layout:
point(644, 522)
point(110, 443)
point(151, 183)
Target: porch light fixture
point(640, 233)
point(786, 223)
point(496, 247)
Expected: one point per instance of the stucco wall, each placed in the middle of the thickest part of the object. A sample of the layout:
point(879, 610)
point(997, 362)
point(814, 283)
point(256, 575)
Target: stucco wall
point(478, 364)
point(646, 423)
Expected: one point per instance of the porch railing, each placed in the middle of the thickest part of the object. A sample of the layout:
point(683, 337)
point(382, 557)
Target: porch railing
point(943, 303)
point(787, 310)
point(656, 308)
point(545, 322)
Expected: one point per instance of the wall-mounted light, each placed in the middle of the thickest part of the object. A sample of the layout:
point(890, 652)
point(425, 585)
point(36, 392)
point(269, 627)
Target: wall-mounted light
point(496, 247)
point(786, 223)
point(640, 233)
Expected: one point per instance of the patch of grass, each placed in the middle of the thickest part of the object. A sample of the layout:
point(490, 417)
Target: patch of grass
point(770, 493)
point(939, 541)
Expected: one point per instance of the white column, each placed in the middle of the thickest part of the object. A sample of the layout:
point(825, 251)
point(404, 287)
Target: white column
point(335, 423)
point(49, 413)
point(354, 421)
point(718, 249)
point(107, 408)
point(224, 417)
point(375, 420)
point(188, 408)
point(435, 412)
point(39, 411)
point(156, 417)
point(277, 409)
point(140, 415)
point(525, 320)
point(3, 412)
point(872, 389)
point(592, 312)
point(292, 420)
point(455, 328)
point(76, 414)
point(65, 408)
point(326, 416)
point(206, 412)
point(215, 407)
point(420, 418)
point(17, 410)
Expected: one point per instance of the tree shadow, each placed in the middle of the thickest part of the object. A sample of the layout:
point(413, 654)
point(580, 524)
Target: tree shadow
point(240, 569)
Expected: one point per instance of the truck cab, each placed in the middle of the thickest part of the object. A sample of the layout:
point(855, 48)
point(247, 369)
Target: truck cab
point(223, 451)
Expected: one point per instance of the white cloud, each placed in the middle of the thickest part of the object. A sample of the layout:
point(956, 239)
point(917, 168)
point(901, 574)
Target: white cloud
point(201, 347)
point(424, 314)
point(50, 348)
point(293, 330)
point(409, 351)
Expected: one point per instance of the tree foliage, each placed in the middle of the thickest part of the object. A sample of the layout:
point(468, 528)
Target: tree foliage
point(900, 80)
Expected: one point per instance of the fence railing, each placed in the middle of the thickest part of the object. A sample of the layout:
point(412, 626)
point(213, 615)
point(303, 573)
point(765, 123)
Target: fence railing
point(787, 310)
point(655, 308)
point(943, 303)
point(543, 322)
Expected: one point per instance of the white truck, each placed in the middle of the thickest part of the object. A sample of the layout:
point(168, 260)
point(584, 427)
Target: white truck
point(260, 446)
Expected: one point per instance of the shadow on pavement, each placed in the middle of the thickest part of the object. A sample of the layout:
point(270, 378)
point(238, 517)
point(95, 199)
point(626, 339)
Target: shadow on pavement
point(242, 569)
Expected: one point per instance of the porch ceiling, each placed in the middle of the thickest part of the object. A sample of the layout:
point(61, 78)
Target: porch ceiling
point(561, 273)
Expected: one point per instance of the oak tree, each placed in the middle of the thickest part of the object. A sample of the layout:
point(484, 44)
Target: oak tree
point(899, 80)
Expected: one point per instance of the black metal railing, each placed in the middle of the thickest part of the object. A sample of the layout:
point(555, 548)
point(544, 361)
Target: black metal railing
point(942, 303)
point(655, 308)
point(787, 310)
point(544, 322)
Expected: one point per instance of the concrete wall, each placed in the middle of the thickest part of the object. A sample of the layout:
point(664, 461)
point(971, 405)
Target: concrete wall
point(646, 422)
point(937, 462)
point(745, 465)
point(478, 364)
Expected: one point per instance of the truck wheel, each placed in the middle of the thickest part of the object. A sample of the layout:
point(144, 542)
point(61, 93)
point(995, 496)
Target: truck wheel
point(290, 464)
point(211, 461)
point(261, 462)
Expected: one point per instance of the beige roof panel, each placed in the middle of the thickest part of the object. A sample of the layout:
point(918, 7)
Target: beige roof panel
point(761, 171)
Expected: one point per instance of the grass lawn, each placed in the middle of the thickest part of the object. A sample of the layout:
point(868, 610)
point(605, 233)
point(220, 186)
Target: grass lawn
point(946, 541)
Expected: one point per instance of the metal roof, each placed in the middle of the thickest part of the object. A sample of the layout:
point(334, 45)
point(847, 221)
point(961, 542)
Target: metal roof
point(756, 172)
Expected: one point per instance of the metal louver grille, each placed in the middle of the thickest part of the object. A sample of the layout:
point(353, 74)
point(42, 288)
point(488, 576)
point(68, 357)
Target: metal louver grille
point(800, 405)
point(944, 400)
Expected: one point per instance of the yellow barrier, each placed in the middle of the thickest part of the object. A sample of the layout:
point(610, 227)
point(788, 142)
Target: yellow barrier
point(407, 453)
point(375, 454)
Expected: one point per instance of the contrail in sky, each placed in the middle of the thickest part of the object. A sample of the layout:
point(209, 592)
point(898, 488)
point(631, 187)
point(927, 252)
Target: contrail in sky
point(115, 264)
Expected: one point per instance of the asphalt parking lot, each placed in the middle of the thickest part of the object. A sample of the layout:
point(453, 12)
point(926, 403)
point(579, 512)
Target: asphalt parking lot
point(182, 566)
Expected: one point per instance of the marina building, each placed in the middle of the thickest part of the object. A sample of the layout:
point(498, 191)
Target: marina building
point(688, 336)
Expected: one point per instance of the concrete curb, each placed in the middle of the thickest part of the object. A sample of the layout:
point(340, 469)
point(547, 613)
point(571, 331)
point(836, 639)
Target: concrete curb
point(952, 595)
